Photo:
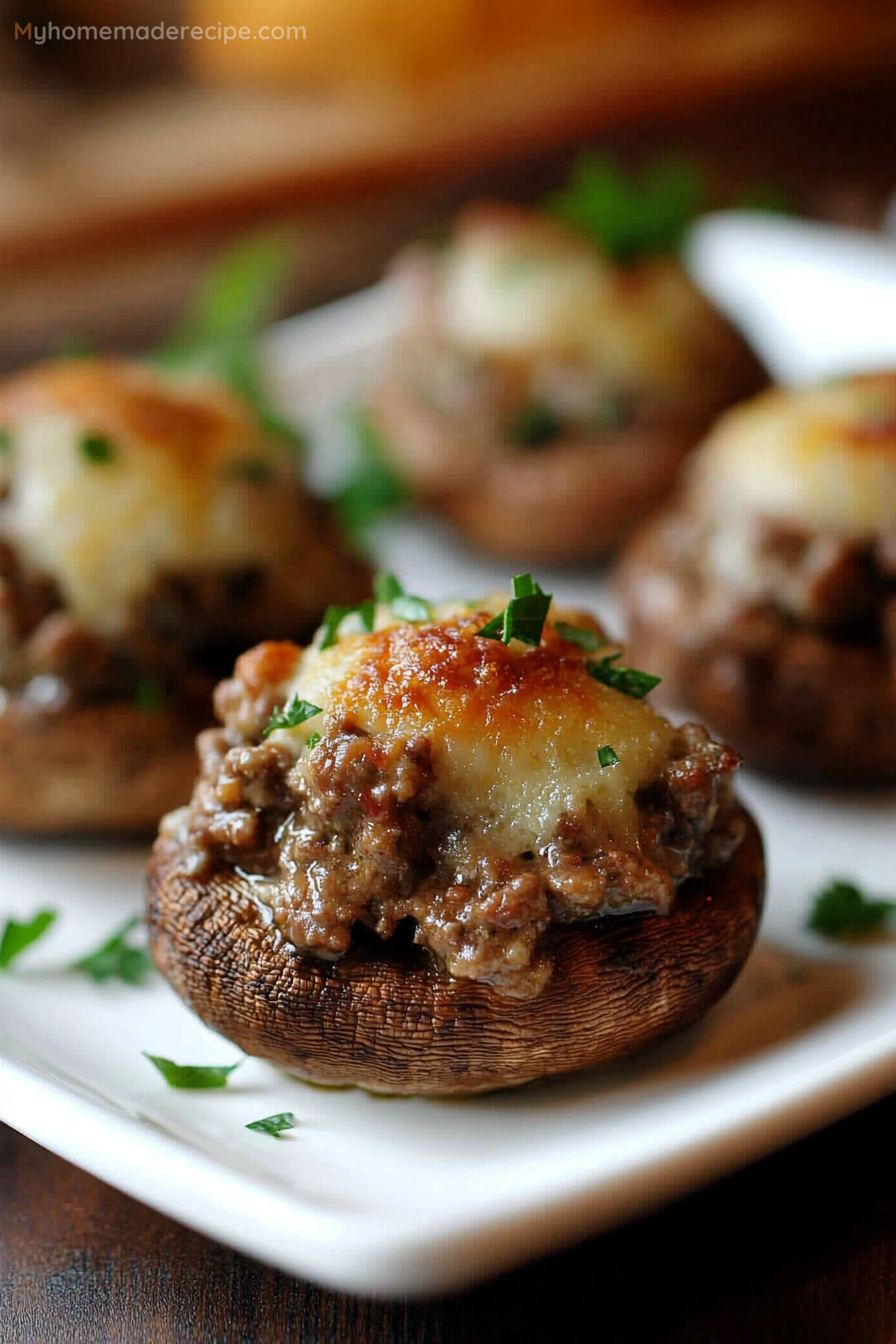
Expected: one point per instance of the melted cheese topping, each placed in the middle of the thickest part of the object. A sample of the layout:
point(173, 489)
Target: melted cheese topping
point(514, 730)
point(824, 457)
point(520, 284)
point(172, 494)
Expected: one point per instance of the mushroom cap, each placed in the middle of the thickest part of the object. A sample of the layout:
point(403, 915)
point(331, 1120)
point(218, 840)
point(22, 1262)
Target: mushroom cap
point(384, 1018)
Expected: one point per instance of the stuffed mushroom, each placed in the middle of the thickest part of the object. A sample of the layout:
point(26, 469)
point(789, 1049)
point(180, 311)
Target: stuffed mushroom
point(149, 529)
point(544, 395)
point(447, 849)
point(766, 593)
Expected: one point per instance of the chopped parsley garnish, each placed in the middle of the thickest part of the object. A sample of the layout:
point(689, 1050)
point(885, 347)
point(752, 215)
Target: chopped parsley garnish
point(195, 1076)
point(296, 712)
point(5, 440)
point(149, 695)
point(534, 425)
point(607, 756)
point(334, 616)
point(252, 469)
point(586, 639)
point(16, 937)
point(627, 216)
point(407, 607)
point(373, 488)
point(312, 741)
point(628, 680)
point(274, 1124)
point(524, 616)
point(117, 959)
point(96, 447)
point(842, 908)
point(610, 412)
point(219, 335)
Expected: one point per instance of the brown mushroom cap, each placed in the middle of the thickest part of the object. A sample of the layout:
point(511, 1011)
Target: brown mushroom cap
point(107, 767)
point(385, 1019)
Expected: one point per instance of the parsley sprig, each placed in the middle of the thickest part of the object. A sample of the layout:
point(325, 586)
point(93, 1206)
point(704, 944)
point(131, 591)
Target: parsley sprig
point(407, 607)
point(628, 680)
point(274, 1124)
point(16, 936)
point(524, 616)
point(628, 216)
point(295, 712)
point(842, 908)
point(373, 488)
point(220, 331)
point(192, 1076)
point(589, 640)
point(334, 616)
point(117, 958)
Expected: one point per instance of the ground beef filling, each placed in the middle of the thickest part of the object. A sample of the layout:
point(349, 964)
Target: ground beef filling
point(357, 833)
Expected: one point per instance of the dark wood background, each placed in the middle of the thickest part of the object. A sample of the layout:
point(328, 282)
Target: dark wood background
point(800, 1247)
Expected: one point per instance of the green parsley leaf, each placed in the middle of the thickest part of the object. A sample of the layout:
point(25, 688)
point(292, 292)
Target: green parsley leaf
point(534, 425)
point(195, 1076)
point(149, 695)
point(586, 639)
point(410, 608)
point(76, 347)
point(524, 616)
point(626, 216)
point(296, 712)
point(607, 756)
point(373, 489)
point(625, 679)
point(219, 333)
point(274, 1124)
point(842, 908)
point(96, 447)
point(5, 440)
point(334, 616)
point(117, 959)
point(253, 469)
point(16, 937)
point(312, 741)
point(386, 588)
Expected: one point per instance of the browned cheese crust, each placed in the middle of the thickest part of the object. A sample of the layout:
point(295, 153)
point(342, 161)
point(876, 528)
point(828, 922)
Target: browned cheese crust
point(444, 413)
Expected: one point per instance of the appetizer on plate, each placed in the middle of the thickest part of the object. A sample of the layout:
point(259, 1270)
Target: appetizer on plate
point(555, 373)
point(765, 593)
point(149, 529)
point(446, 849)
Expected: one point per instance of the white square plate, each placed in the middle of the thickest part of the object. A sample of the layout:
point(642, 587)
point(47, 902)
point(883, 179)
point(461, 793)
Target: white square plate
point(416, 1196)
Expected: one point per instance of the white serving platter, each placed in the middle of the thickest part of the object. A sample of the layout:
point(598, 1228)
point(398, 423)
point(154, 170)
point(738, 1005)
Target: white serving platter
point(417, 1196)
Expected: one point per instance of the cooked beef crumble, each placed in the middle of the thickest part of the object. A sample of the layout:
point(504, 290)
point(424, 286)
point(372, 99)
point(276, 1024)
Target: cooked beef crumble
point(358, 832)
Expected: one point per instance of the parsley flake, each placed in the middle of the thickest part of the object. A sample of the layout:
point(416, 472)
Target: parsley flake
point(628, 680)
point(388, 590)
point(296, 712)
point(96, 447)
point(607, 756)
point(117, 959)
point(149, 695)
point(334, 616)
point(524, 616)
point(842, 908)
point(16, 937)
point(586, 639)
point(193, 1076)
point(534, 425)
point(274, 1124)
point(373, 488)
point(626, 216)
point(312, 741)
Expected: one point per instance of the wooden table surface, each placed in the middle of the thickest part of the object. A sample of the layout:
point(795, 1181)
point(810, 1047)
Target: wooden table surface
point(800, 1247)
